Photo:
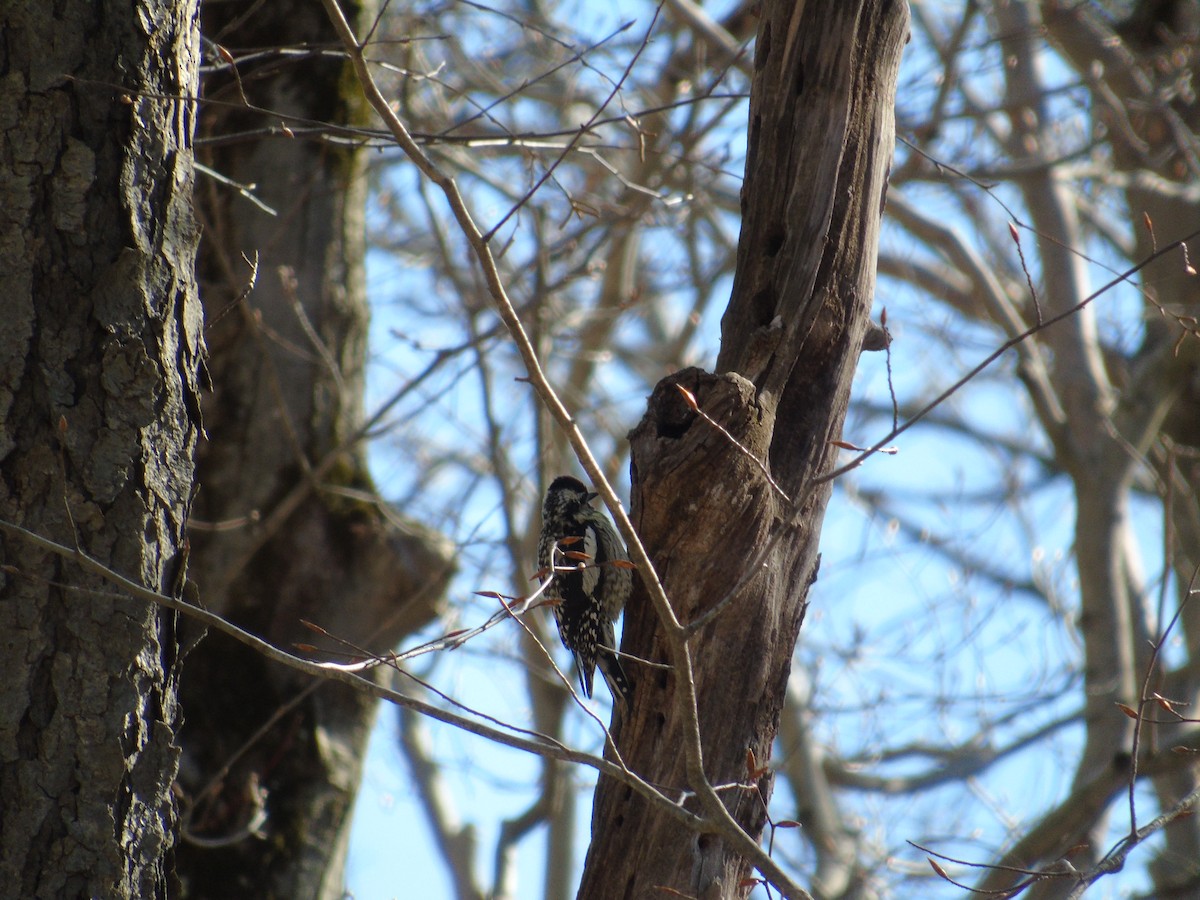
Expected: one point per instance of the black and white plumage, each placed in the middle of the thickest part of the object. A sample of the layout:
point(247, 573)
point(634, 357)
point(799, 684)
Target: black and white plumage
point(591, 590)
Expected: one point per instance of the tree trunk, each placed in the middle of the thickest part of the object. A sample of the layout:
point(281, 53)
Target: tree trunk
point(286, 528)
point(100, 339)
point(820, 144)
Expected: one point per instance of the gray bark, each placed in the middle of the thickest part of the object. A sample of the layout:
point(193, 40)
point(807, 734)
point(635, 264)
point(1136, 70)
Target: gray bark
point(100, 339)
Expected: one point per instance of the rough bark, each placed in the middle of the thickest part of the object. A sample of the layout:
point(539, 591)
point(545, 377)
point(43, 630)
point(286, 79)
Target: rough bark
point(100, 339)
point(278, 539)
point(820, 144)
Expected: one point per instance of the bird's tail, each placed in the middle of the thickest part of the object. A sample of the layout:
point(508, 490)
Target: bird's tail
point(614, 676)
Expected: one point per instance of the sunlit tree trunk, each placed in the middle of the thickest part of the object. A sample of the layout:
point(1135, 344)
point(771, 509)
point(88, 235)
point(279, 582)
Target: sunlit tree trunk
point(820, 145)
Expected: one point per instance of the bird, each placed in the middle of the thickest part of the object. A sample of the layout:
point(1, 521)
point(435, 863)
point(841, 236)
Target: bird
point(584, 560)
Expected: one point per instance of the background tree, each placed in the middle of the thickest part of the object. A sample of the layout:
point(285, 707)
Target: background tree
point(99, 417)
point(287, 527)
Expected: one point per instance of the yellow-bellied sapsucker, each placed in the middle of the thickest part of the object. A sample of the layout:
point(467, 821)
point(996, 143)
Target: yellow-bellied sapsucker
point(576, 550)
